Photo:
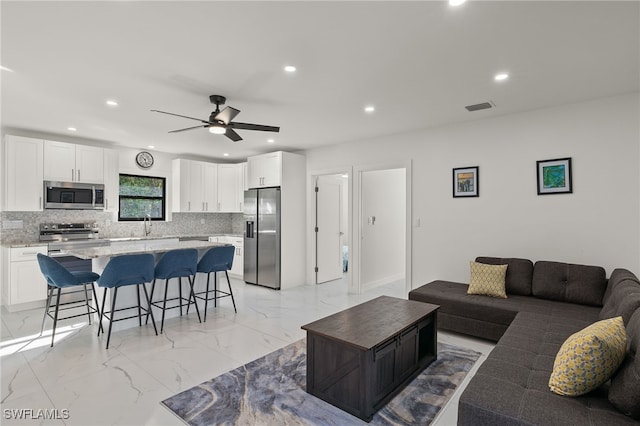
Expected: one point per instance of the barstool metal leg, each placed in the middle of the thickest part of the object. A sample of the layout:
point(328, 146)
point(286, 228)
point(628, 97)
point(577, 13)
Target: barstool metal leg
point(86, 302)
point(206, 297)
point(95, 297)
point(180, 294)
point(55, 317)
point(164, 304)
point(192, 281)
point(113, 308)
point(231, 292)
point(215, 289)
point(46, 308)
point(149, 312)
point(153, 287)
point(104, 298)
point(139, 306)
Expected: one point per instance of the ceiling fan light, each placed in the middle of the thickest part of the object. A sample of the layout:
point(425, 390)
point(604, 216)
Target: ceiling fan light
point(217, 130)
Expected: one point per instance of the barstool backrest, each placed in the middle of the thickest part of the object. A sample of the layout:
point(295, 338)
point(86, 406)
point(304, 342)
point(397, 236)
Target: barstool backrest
point(56, 274)
point(217, 259)
point(177, 263)
point(128, 269)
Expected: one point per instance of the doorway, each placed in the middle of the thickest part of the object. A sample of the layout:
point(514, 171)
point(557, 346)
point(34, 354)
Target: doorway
point(331, 227)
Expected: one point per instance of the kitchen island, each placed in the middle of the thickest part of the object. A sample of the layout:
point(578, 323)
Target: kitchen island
point(127, 296)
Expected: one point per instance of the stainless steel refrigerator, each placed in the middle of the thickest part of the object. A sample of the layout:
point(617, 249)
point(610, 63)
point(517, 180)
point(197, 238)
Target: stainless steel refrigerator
point(262, 237)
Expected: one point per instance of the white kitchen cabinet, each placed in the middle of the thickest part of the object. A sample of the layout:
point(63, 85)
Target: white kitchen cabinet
point(24, 162)
point(238, 261)
point(24, 282)
point(265, 170)
point(210, 187)
point(195, 187)
point(111, 180)
point(67, 162)
point(229, 187)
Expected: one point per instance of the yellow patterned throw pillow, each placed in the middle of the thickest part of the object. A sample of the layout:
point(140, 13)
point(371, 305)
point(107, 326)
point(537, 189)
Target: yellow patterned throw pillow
point(589, 357)
point(488, 280)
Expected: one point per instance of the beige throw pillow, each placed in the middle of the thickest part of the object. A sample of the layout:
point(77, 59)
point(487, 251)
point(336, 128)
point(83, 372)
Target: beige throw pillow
point(487, 280)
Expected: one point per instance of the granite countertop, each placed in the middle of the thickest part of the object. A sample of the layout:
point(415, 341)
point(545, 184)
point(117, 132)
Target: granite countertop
point(110, 251)
point(22, 244)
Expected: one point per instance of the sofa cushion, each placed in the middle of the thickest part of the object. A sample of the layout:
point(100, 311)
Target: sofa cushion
point(624, 392)
point(623, 300)
point(589, 357)
point(519, 273)
point(617, 276)
point(487, 280)
point(567, 282)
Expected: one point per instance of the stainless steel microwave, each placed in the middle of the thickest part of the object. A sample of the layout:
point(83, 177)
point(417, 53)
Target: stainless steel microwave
point(73, 195)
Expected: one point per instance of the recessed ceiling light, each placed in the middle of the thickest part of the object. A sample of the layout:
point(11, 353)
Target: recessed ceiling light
point(150, 146)
point(290, 68)
point(71, 129)
point(5, 69)
point(226, 154)
point(270, 140)
point(456, 2)
point(501, 76)
point(111, 102)
point(369, 108)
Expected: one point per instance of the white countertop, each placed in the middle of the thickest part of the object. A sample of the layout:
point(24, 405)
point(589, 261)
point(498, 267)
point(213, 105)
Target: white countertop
point(155, 246)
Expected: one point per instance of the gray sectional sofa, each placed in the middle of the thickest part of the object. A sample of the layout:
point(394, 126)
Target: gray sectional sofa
point(546, 303)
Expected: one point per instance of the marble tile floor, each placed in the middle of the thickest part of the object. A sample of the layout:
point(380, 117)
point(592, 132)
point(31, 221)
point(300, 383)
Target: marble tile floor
point(79, 382)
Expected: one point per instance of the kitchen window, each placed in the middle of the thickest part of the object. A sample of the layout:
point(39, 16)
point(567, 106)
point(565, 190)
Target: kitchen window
point(141, 196)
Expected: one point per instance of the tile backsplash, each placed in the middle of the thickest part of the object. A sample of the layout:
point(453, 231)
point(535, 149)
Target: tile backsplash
point(181, 224)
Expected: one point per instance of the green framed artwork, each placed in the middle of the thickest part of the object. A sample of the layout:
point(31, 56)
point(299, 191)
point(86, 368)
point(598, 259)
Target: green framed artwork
point(554, 176)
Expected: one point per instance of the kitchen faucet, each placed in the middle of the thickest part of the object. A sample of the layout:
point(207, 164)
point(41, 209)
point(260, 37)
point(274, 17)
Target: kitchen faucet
point(147, 228)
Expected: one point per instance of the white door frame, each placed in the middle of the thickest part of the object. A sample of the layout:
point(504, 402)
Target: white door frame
point(355, 234)
point(311, 209)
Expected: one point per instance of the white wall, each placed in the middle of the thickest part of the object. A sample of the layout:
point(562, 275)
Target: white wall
point(383, 241)
point(597, 224)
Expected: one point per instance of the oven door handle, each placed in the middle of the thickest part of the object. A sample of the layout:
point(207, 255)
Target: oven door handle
point(93, 198)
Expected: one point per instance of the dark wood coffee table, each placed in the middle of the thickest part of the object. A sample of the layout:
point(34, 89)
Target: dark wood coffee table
point(360, 358)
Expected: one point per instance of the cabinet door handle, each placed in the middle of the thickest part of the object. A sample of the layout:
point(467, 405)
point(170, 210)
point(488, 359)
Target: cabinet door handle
point(78, 175)
point(40, 202)
point(240, 205)
point(73, 175)
point(189, 206)
point(218, 205)
point(106, 204)
point(203, 206)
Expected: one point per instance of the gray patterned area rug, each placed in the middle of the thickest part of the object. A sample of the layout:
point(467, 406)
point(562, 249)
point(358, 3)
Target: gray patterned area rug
point(271, 391)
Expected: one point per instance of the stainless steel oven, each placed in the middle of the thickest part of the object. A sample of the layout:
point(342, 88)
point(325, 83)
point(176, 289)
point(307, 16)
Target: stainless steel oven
point(73, 195)
point(64, 236)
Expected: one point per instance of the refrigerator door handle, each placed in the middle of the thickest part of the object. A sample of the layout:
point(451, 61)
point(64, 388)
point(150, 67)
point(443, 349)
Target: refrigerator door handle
point(249, 230)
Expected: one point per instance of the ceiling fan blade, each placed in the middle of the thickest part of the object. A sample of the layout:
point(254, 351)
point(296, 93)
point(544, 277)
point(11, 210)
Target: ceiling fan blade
point(183, 116)
point(188, 128)
point(248, 126)
point(232, 135)
point(227, 114)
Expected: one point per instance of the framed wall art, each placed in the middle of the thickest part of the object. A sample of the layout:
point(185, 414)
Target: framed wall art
point(554, 176)
point(466, 181)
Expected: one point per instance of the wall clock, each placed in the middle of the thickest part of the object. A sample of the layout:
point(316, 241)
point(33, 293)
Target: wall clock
point(144, 159)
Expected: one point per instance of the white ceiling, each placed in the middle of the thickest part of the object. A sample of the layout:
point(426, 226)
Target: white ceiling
point(419, 63)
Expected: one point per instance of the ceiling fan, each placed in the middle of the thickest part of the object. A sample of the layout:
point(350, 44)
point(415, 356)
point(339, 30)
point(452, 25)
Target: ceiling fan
point(220, 123)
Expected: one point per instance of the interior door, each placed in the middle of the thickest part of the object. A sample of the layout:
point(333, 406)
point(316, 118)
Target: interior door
point(328, 235)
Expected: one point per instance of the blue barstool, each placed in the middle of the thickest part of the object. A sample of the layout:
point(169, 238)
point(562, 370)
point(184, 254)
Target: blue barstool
point(121, 271)
point(216, 259)
point(60, 277)
point(176, 264)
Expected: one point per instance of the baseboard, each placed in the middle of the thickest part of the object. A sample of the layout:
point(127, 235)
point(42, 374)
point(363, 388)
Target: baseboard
point(382, 281)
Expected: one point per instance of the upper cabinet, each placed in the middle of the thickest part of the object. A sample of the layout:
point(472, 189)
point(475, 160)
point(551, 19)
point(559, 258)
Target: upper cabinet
point(265, 170)
point(230, 188)
point(111, 180)
point(24, 174)
point(67, 162)
point(195, 187)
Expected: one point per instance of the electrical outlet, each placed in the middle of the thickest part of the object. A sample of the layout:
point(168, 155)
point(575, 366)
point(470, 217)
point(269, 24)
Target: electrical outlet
point(202, 221)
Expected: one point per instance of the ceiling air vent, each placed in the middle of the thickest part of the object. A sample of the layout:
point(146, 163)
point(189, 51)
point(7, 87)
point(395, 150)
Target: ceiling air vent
point(477, 107)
